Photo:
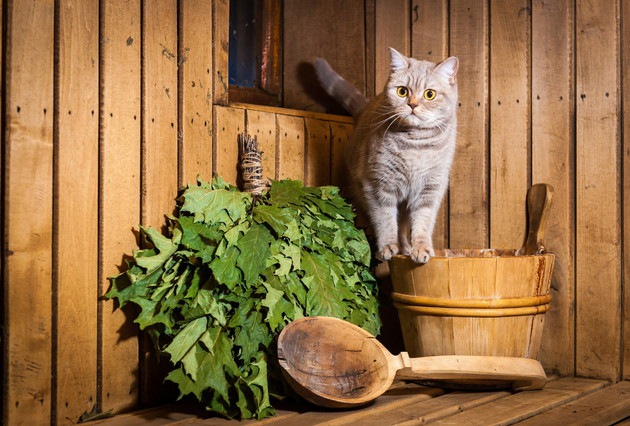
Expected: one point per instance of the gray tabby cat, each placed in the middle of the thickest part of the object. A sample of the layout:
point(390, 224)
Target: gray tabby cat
point(400, 154)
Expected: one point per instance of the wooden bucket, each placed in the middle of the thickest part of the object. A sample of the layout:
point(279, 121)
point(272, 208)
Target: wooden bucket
point(473, 302)
point(478, 301)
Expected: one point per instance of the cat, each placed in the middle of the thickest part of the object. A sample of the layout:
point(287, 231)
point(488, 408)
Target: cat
point(401, 151)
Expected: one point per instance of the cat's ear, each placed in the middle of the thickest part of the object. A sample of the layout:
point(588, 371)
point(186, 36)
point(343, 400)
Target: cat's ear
point(398, 60)
point(448, 68)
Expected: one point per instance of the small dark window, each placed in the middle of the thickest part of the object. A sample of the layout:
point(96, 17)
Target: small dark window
point(255, 52)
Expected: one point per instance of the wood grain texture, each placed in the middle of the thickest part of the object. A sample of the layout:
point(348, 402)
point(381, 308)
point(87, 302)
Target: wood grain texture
point(229, 123)
point(427, 410)
point(76, 210)
point(159, 146)
point(195, 80)
point(429, 30)
point(120, 186)
point(377, 412)
point(410, 404)
point(625, 149)
point(429, 41)
point(435, 303)
point(293, 112)
point(221, 33)
point(317, 152)
point(598, 245)
point(552, 163)
point(370, 46)
point(524, 405)
point(469, 218)
point(28, 191)
point(339, 135)
point(291, 141)
point(343, 48)
point(605, 407)
point(509, 121)
point(392, 30)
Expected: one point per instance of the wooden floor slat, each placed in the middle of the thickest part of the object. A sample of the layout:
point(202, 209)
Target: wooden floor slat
point(524, 405)
point(605, 407)
point(434, 409)
point(155, 416)
point(567, 400)
point(393, 400)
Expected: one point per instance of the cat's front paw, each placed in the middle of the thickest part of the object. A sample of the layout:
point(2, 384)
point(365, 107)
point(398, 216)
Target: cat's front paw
point(386, 252)
point(421, 253)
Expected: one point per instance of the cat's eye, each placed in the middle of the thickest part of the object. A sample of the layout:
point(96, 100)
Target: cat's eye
point(429, 94)
point(402, 91)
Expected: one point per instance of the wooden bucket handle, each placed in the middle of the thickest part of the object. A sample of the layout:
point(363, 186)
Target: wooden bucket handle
point(539, 199)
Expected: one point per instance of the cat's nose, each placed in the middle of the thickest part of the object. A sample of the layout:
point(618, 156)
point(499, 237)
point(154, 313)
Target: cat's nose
point(412, 105)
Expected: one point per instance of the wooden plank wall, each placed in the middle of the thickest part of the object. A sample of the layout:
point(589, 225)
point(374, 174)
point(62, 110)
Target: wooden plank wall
point(128, 101)
point(553, 162)
point(28, 238)
point(120, 185)
point(123, 107)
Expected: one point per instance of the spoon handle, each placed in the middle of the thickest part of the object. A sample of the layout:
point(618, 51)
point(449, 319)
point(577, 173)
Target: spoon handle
point(539, 199)
point(524, 373)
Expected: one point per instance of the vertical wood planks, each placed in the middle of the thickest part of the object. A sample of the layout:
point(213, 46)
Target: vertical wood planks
point(392, 30)
point(76, 211)
point(28, 191)
point(339, 135)
point(370, 45)
point(429, 30)
point(119, 194)
point(4, 359)
point(509, 121)
point(159, 140)
point(229, 122)
point(429, 41)
point(468, 190)
point(221, 33)
point(159, 108)
point(195, 65)
point(552, 163)
point(598, 250)
point(317, 171)
point(290, 147)
point(625, 100)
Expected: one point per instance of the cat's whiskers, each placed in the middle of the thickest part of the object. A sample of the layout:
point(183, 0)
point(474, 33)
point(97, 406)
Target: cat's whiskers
point(397, 116)
point(373, 126)
point(440, 124)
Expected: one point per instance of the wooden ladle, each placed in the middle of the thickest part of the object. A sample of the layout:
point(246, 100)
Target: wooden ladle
point(333, 363)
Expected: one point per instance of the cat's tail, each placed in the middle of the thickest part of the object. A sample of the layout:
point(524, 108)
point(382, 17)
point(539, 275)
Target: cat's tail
point(341, 90)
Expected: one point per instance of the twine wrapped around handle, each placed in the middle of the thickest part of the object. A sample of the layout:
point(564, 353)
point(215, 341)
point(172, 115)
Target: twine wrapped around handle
point(251, 164)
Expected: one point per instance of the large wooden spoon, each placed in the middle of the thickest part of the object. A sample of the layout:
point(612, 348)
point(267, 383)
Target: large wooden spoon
point(333, 363)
